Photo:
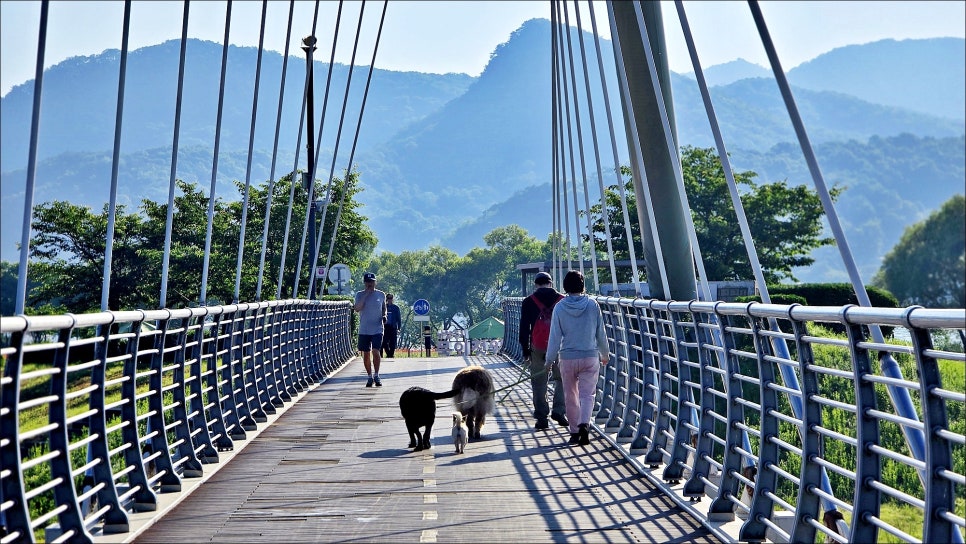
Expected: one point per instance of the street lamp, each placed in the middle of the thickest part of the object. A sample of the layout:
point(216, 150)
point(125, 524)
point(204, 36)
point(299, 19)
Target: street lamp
point(308, 45)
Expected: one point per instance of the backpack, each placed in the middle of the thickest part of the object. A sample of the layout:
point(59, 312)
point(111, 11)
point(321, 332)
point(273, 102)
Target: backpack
point(540, 336)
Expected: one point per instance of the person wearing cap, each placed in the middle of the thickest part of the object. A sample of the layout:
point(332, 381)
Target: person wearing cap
point(371, 305)
point(536, 356)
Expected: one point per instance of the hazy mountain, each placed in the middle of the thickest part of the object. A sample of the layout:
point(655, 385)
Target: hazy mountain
point(437, 152)
point(729, 72)
point(920, 75)
point(79, 101)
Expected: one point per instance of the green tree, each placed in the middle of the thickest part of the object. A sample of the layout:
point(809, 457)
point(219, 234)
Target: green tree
point(928, 265)
point(68, 248)
point(8, 287)
point(785, 221)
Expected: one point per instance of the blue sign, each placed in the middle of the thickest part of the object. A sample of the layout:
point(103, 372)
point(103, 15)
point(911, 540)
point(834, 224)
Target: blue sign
point(421, 307)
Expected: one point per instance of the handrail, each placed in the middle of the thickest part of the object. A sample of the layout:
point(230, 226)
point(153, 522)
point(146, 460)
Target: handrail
point(663, 364)
point(100, 412)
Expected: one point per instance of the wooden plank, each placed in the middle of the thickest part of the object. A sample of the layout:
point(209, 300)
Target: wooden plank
point(335, 467)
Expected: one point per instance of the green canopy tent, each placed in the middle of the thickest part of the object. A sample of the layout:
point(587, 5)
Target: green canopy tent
point(490, 327)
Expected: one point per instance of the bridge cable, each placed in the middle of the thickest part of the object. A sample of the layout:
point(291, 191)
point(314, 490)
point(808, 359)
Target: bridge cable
point(628, 233)
point(311, 144)
point(600, 174)
point(901, 400)
point(271, 177)
point(556, 225)
point(355, 140)
point(28, 200)
point(580, 148)
point(251, 145)
point(338, 136)
point(634, 147)
point(672, 152)
point(561, 97)
point(203, 295)
point(325, 104)
point(116, 159)
point(295, 170)
point(169, 219)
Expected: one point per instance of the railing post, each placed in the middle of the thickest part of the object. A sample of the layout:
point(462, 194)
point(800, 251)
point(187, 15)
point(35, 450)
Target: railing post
point(695, 487)
point(723, 506)
point(261, 320)
point(217, 425)
point(200, 389)
point(65, 493)
point(144, 498)
point(940, 490)
point(169, 481)
point(190, 464)
point(16, 518)
point(662, 423)
point(766, 481)
point(867, 498)
point(631, 418)
point(649, 392)
point(810, 474)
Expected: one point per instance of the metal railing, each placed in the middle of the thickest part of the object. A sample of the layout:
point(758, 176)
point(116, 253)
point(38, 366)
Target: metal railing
point(694, 396)
point(100, 412)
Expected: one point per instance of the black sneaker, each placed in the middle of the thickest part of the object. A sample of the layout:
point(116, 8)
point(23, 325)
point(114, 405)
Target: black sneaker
point(378, 382)
point(542, 425)
point(583, 435)
point(574, 439)
point(560, 419)
point(369, 382)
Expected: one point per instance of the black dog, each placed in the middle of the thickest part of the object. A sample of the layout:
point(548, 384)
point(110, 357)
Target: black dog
point(418, 407)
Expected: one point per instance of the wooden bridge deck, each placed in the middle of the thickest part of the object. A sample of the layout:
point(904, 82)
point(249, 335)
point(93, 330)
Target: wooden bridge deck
point(334, 467)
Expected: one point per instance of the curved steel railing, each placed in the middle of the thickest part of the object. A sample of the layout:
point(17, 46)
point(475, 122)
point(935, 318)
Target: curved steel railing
point(694, 396)
point(99, 412)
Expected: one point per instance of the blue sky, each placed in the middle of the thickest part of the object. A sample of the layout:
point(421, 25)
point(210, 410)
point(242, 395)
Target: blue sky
point(451, 36)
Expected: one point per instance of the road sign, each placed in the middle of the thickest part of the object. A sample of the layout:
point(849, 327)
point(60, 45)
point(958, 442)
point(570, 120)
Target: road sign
point(420, 318)
point(339, 275)
point(319, 272)
point(421, 307)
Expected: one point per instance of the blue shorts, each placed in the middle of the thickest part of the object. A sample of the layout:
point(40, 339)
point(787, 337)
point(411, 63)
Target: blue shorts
point(370, 341)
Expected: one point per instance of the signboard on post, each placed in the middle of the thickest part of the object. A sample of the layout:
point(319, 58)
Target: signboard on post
point(421, 309)
point(339, 276)
point(319, 272)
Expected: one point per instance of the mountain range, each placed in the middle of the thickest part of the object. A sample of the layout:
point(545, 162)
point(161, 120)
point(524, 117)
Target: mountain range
point(444, 158)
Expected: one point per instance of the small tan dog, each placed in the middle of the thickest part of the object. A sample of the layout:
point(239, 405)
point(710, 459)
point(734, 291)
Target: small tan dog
point(460, 432)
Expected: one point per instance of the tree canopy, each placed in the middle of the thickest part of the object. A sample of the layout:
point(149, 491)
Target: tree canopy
point(67, 248)
point(785, 221)
point(928, 265)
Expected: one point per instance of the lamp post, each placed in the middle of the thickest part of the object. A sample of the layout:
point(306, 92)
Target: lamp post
point(308, 45)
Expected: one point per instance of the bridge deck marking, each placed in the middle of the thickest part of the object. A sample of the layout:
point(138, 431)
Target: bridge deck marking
point(335, 467)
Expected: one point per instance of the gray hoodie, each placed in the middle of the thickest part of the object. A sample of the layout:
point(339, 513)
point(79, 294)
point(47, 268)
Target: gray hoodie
point(576, 330)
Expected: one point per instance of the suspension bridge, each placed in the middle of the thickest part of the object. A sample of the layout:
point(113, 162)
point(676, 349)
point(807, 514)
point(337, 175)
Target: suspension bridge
point(714, 421)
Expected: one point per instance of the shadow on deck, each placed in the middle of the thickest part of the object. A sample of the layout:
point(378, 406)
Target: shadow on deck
point(334, 467)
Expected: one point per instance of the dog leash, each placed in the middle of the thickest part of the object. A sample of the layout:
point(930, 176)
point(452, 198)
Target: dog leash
point(528, 376)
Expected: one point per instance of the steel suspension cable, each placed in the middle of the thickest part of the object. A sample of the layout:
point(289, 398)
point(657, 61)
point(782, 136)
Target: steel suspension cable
point(580, 145)
point(672, 152)
point(169, 219)
point(116, 160)
point(562, 169)
point(325, 105)
point(271, 176)
point(593, 139)
point(203, 296)
point(291, 193)
point(556, 232)
point(569, 150)
point(251, 146)
point(900, 397)
point(634, 149)
point(28, 199)
point(316, 242)
point(628, 233)
point(355, 140)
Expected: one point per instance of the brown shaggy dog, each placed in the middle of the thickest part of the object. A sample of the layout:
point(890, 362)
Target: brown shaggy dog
point(473, 386)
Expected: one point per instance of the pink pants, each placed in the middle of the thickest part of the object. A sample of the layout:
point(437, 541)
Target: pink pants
point(580, 386)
